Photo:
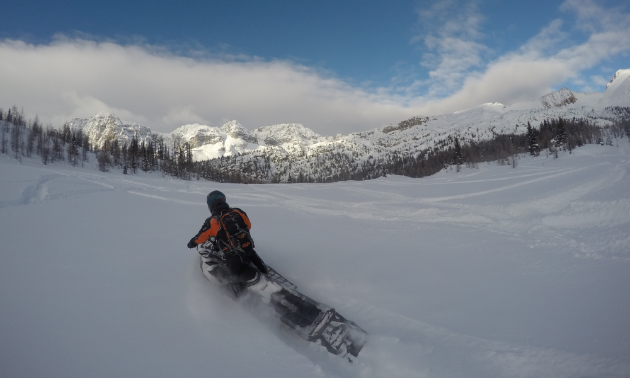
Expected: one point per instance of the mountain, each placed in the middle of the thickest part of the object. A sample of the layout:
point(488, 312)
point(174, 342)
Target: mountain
point(559, 98)
point(106, 127)
point(288, 150)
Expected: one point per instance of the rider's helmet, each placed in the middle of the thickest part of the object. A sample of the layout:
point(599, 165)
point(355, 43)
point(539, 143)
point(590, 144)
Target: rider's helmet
point(215, 198)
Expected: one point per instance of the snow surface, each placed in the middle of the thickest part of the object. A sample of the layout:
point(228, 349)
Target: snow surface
point(490, 272)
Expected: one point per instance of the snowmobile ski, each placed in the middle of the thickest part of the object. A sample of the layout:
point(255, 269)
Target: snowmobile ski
point(309, 319)
point(277, 277)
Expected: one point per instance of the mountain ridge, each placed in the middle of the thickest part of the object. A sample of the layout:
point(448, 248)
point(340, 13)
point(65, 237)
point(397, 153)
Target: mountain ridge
point(409, 136)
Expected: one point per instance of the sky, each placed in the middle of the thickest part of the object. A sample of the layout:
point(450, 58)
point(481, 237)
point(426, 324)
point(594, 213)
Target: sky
point(334, 66)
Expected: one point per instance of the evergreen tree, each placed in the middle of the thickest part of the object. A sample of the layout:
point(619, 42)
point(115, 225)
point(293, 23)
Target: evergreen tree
point(104, 160)
point(57, 149)
point(66, 134)
point(115, 152)
point(43, 146)
point(16, 136)
point(85, 147)
point(458, 158)
point(532, 142)
point(145, 160)
point(189, 156)
point(561, 132)
point(3, 143)
point(73, 151)
point(133, 154)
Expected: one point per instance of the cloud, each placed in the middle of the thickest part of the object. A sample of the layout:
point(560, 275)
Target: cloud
point(451, 33)
point(150, 85)
point(547, 59)
point(599, 80)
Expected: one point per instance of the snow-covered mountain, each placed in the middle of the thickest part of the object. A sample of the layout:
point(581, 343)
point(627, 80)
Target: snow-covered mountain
point(303, 147)
point(233, 138)
point(210, 142)
point(558, 98)
point(106, 127)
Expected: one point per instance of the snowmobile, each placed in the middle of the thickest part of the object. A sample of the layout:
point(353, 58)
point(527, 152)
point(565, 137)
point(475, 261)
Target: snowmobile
point(309, 319)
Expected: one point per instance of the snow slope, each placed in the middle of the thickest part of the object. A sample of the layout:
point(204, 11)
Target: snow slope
point(490, 272)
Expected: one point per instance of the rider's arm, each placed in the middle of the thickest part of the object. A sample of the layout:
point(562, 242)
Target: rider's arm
point(210, 228)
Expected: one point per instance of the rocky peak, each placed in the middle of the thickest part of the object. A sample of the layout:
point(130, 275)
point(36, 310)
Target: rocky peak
point(197, 135)
point(619, 86)
point(104, 127)
point(615, 77)
point(238, 131)
point(294, 133)
point(558, 98)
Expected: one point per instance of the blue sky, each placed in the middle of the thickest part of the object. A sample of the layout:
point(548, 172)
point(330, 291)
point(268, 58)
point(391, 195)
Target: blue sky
point(335, 66)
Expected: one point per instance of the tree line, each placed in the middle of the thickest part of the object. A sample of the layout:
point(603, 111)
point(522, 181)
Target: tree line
point(20, 138)
point(327, 163)
point(337, 162)
point(23, 138)
point(149, 155)
point(551, 135)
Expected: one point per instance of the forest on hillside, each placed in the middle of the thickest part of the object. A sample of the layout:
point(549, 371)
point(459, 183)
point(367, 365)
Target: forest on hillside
point(22, 138)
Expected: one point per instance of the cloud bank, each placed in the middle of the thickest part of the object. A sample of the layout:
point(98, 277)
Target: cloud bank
point(547, 59)
point(78, 78)
point(151, 85)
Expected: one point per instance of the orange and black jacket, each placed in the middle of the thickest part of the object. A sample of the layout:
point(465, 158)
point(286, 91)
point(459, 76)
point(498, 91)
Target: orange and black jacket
point(212, 227)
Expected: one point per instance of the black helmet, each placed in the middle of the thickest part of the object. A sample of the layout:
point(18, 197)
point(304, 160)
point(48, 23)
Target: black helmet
point(215, 198)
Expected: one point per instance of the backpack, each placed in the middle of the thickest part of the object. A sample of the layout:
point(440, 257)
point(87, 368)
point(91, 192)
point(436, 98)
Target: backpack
point(236, 232)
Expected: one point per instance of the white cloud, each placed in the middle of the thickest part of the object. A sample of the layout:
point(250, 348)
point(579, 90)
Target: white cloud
point(547, 59)
point(146, 84)
point(181, 115)
point(450, 32)
point(599, 80)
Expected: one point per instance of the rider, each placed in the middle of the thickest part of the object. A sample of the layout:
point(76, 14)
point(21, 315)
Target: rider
point(235, 261)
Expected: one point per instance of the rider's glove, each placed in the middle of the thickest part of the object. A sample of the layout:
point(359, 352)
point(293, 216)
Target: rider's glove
point(191, 243)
